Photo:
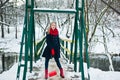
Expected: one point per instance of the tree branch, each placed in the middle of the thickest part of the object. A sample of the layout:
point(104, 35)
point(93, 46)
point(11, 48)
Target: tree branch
point(3, 3)
point(99, 19)
point(111, 7)
point(4, 23)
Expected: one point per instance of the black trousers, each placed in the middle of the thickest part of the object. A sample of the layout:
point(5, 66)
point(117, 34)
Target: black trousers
point(56, 60)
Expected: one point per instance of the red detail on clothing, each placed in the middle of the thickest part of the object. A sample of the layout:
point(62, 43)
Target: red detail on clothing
point(54, 32)
point(53, 73)
point(53, 52)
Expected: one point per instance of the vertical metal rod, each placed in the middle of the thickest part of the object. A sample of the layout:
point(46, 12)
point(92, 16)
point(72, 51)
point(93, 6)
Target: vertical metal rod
point(26, 42)
point(66, 48)
point(85, 38)
point(76, 35)
point(31, 34)
point(71, 48)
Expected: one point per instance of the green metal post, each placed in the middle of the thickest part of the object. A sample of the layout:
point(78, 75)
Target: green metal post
point(34, 38)
point(85, 38)
point(81, 31)
point(86, 52)
point(21, 48)
point(71, 48)
point(76, 35)
point(31, 34)
point(26, 42)
point(75, 51)
point(81, 56)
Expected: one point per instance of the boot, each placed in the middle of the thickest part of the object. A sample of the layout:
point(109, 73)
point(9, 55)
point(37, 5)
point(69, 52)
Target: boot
point(61, 73)
point(46, 74)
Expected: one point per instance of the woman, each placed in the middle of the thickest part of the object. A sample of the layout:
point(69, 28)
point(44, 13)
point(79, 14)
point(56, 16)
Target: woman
point(52, 49)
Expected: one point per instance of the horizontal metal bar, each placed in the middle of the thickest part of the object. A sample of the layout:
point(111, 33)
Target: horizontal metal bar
point(22, 65)
point(80, 8)
point(48, 10)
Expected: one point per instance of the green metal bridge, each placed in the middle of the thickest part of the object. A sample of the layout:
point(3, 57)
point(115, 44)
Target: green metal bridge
point(33, 50)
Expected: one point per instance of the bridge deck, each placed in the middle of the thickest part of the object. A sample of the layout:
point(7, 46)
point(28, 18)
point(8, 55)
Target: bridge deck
point(38, 71)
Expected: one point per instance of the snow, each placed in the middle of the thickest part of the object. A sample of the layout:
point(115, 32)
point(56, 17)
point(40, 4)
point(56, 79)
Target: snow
point(95, 74)
point(9, 43)
point(10, 74)
point(55, 9)
point(19, 2)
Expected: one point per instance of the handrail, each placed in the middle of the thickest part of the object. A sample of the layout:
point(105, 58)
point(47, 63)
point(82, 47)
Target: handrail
point(65, 48)
point(68, 40)
point(54, 10)
point(39, 47)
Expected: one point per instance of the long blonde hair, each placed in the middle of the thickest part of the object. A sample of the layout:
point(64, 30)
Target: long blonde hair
point(48, 30)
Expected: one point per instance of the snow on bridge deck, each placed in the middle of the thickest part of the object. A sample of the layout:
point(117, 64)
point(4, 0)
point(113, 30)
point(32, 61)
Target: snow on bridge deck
point(38, 71)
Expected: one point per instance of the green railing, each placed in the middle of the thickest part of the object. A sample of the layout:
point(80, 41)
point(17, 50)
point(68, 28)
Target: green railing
point(74, 55)
point(65, 47)
point(39, 49)
point(70, 53)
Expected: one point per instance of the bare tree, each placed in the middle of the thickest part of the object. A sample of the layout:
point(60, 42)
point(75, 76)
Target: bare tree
point(8, 15)
point(3, 3)
point(2, 16)
point(96, 12)
point(118, 12)
point(111, 68)
point(97, 21)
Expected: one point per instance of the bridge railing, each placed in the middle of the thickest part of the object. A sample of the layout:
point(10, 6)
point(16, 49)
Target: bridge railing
point(66, 45)
point(39, 47)
point(65, 48)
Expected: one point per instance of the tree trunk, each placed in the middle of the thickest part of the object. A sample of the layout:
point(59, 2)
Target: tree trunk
point(16, 26)
point(111, 68)
point(16, 32)
point(3, 62)
point(8, 29)
point(87, 25)
point(2, 28)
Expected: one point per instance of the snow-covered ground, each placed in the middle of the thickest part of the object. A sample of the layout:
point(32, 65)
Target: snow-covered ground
point(95, 74)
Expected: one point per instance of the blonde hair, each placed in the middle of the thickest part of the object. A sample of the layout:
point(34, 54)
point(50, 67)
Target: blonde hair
point(48, 30)
point(52, 23)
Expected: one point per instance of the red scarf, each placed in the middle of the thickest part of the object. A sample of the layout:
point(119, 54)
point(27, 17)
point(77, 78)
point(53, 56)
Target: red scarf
point(53, 32)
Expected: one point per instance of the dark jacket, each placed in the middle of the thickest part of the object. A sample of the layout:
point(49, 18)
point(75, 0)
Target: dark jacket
point(52, 43)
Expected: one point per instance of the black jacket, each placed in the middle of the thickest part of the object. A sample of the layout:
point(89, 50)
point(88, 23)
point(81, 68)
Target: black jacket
point(52, 43)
